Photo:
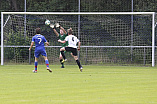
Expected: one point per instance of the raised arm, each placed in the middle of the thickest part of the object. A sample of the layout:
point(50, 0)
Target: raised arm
point(63, 30)
point(57, 34)
point(58, 26)
point(52, 26)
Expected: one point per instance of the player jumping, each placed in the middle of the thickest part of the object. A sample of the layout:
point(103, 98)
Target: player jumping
point(72, 41)
point(62, 35)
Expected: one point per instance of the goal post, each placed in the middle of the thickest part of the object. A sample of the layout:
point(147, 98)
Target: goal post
point(114, 27)
point(2, 46)
point(153, 39)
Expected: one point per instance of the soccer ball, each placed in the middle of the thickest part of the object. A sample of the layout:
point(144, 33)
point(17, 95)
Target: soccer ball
point(47, 22)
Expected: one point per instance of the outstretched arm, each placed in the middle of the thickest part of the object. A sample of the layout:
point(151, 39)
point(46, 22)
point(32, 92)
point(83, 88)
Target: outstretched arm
point(63, 30)
point(57, 25)
point(57, 34)
point(52, 26)
point(61, 41)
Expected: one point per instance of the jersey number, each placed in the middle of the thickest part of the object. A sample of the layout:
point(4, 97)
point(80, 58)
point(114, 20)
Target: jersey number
point(40, 40)
point(73, 39)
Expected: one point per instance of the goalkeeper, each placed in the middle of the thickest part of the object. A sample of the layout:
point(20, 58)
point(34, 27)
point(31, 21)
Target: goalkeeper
point(72, 40)
point(62, 35)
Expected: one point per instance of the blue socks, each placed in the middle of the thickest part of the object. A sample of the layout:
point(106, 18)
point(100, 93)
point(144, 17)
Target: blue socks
point(36, 64)
point(47, 63)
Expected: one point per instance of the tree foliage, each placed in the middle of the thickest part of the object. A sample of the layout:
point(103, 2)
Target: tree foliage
point(72, 5)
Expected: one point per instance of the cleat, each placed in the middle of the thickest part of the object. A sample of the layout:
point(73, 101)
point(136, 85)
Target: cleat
point(34, 71)
point(81, 68)
point(62, 66)
point(49, 70)
point(64, 60)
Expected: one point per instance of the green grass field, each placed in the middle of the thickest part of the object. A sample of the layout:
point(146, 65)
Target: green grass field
point(95, 85)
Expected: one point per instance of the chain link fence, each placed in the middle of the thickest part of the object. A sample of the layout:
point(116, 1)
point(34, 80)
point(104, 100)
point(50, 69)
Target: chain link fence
point(106, 39)
point(108, 30)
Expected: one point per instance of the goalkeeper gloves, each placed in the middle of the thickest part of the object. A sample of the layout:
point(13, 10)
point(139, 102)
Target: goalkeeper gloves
point(57, 25)
point(52, 26)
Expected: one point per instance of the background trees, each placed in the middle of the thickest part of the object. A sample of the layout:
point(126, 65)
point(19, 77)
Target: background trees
point(72, 5)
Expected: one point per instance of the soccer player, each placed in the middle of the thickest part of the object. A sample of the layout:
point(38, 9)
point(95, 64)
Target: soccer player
point(61, 36)
point(39, 41)
point(72, 41)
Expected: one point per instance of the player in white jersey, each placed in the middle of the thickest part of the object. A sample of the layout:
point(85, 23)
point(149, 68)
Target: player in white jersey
point(72, 41)
point(62, 35)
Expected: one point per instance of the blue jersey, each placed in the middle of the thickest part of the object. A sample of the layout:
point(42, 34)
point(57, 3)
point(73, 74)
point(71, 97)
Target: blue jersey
point(39, 42)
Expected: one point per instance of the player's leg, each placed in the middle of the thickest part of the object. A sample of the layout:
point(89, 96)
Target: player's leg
point(61, 59)
point(36, 54)
point(46, 60)
point(78, 63)
point(63, 55)
point(36, 65)
point(47, 63)
point(74, 52)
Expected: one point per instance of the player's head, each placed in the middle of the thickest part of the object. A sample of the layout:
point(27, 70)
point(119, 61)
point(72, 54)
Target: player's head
point(38, 30)
point(61, 32)
point(70, 31)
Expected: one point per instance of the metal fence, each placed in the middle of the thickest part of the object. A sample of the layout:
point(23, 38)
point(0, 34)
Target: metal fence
point(106, 38)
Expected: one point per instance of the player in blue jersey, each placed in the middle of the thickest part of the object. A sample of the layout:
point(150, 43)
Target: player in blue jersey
point(39, 41)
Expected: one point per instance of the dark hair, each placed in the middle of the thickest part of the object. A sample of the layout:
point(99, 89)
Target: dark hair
point(70, 31)
point(38, 30)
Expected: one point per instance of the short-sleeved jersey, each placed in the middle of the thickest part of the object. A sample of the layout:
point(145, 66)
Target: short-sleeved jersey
point(72, 41)
point(39, 42)
point(62, 37)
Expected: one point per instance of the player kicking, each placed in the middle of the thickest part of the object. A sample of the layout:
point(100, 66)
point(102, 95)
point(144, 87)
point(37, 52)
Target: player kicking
point(72, 41)
point(39, 41)
point(61, 36)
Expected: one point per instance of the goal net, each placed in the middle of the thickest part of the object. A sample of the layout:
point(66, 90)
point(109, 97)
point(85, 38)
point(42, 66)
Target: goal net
point(108, 38)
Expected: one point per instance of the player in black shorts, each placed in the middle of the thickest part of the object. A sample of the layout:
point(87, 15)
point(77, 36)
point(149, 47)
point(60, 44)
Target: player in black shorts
point(72, 41)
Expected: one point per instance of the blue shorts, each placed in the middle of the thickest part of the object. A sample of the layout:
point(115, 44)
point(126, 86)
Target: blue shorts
point(38, 53)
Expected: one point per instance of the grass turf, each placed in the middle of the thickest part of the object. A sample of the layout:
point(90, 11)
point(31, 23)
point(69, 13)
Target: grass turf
point(95, 85)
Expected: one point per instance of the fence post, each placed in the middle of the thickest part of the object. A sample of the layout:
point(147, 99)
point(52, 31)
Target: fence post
point(144, 58)
point(30, 57)
point(86, 56)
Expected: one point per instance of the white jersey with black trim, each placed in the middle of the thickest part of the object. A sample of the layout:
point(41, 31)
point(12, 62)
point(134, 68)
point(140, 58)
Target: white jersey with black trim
point(72, 41)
